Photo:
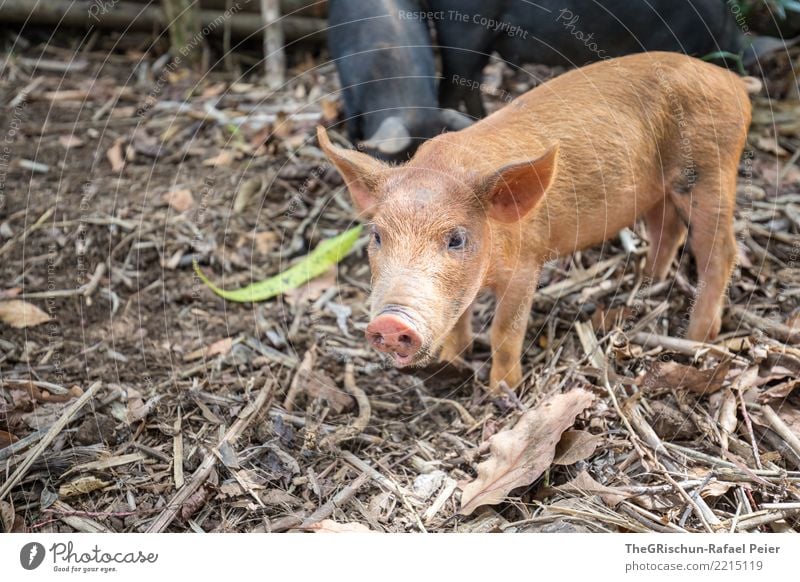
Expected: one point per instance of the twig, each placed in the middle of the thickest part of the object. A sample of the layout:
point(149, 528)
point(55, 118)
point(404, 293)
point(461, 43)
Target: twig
point(780, 427)
point(48, 438)
point(682, 346)
point(300, 422)
point(78, 519)
point(345, 495)
point(364, 411)
point(246, 416)
point(84, 290)
point(402, 493)
point(466, 417)
point(177, 451)
point(749, 424)
point(21, 238)
point(772, 328)
point(753, 520)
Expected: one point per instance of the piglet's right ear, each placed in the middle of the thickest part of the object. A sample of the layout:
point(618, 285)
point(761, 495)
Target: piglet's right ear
point(361, 173)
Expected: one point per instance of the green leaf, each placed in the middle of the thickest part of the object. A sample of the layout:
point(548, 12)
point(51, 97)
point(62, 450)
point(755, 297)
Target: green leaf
point(328, 253)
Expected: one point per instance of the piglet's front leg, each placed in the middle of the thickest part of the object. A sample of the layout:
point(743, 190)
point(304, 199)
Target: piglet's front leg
point(458, 343)
point(514, 302)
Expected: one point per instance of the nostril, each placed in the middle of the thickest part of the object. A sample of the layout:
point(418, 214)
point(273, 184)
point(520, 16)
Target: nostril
point(405, 340)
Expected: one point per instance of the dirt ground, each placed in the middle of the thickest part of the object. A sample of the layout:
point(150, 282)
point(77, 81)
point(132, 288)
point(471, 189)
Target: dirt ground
point(204, 415)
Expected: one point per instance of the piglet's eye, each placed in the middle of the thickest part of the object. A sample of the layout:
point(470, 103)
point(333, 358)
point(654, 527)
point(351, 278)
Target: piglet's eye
point(376, 237)
point(457, 240)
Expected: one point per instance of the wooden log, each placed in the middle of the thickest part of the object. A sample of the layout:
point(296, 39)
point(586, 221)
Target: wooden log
point(315, 8)
point(274, 57)
point(131, 16)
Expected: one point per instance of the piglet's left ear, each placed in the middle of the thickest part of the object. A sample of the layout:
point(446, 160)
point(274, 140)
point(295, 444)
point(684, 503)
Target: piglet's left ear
point(511, 193)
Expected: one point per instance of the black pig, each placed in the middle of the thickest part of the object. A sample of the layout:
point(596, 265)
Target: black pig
point(570, 33)
point(383, 53)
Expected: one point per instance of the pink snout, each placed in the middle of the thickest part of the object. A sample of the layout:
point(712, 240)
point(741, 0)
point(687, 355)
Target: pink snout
point(391, 334)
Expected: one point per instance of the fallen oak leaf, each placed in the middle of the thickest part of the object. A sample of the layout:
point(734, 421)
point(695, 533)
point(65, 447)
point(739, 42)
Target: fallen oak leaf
point(115, 156)
point(180, 200)
point(6, 438)
point(675, 375)
point(18, 313)
point(520, 455)
point(323, 257)
point(574, 446)
point(220, 347)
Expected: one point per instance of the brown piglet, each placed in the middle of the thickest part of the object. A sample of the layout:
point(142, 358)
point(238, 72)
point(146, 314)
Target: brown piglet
point(563, 167)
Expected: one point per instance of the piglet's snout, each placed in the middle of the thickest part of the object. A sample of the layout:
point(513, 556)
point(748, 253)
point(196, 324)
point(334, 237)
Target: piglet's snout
point(392, 334)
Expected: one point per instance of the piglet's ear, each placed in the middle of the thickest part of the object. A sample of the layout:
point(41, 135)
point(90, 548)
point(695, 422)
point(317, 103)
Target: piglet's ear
point(361, 173)
point(517, 188)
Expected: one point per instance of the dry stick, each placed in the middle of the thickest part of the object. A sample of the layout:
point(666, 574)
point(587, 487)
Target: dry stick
point(780, 427)
point(749, 424)
point(300, 422)
point(48, 438)
point(759, 518)
point(648, 519)
point(177, 451)
point(682, 346)
point(775, 329)
point(466, 417)
point(246, 416)
point(78, 522)
point(25, 92)
point(781, 505)
point(134, 17)
point(364, 411)
point(274, 55)
point(21, 238)
point(345, 495)
point(402, 493)
point(591, 347)
point(84, 290)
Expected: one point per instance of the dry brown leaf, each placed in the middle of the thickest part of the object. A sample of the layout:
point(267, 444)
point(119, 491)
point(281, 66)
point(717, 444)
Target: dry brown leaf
point(574, 446)
point(115, 156)
point(245, 193)
point(18, 313)
point(780, 391)
point(330, 526)
point(675, 375)
point(6, 438)
point(223, 159)
point(264, 241)
point(81, 486)
point(311, 290)
point(70, 141)
point(330, 110)
point(181, 200)
point(315, 383)
point(791, 416)
point(220, 347)
point(520, 455)
point(583, 484)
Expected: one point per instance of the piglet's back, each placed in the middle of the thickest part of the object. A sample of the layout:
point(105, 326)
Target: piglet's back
point(611, 118)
